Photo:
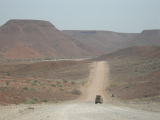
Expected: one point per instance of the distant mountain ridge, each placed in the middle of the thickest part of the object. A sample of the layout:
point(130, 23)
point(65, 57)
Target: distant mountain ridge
point(108, 41)
point(38, 39)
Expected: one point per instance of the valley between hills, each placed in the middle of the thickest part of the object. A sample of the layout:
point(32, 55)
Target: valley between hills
point(40, 64)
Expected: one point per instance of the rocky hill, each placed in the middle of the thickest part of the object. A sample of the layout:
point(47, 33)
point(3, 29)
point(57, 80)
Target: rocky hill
point(37, 39)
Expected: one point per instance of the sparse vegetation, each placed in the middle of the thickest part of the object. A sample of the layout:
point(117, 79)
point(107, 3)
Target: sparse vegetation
point(28, 82)
point(135, 74)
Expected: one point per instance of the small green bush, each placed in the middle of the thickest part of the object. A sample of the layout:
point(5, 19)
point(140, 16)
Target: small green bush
point(7, 83)
point(15, 80)
point(34, 84)
point(36, 99)
point(25, 88)
point(33, 89)
point(73, 82)
point(60, 85)
point(36, 81)
point(29, 101)
point(113, 85)
point(58, 82)
point(9, 74)
point(53, 85)
point(43, 87)
point(65, 81)
point(28, 80)
point(42, 84)
point(48, 58)
point(127, 87)
point(61, 89)
point(45, 100)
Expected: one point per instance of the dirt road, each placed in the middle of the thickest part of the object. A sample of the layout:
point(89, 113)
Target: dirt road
point(97, 80)
point(83, 109)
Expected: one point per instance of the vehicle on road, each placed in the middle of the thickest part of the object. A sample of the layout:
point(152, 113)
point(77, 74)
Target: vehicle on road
point(98, 99)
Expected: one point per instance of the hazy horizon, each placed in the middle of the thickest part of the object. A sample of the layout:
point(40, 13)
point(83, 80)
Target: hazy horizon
point(129, 16)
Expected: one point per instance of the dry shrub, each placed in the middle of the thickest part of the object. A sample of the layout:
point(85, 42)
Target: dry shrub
point(76, 92)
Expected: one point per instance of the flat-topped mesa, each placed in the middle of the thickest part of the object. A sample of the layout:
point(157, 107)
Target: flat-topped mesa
point(28, 26)
point(34, 38)
point(151, 32)
point(22, 22)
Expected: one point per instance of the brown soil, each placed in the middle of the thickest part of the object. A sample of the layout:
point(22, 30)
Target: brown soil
point(134, 75)
point(22, 52)
point(51, 81)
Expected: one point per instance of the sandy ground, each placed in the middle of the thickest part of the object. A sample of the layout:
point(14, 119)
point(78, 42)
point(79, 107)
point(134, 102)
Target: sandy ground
point(81, 109)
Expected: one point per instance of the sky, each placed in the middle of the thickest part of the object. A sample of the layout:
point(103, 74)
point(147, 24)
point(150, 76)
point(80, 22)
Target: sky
point(129, 16)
